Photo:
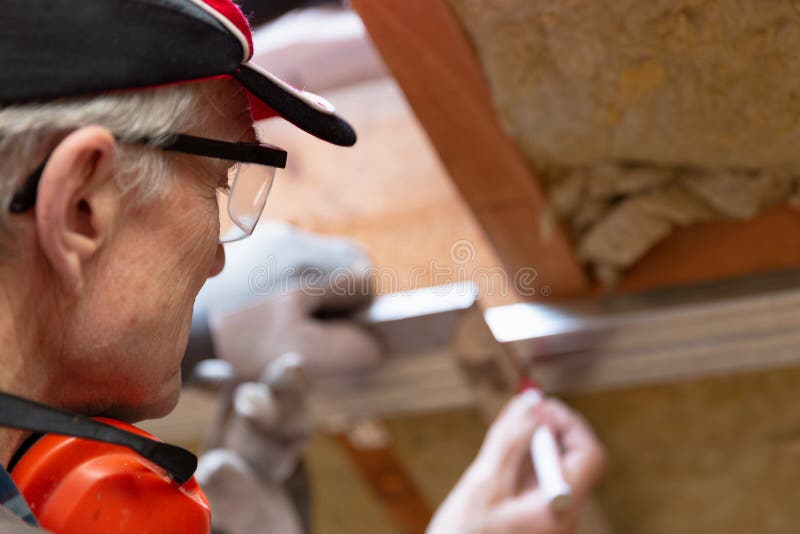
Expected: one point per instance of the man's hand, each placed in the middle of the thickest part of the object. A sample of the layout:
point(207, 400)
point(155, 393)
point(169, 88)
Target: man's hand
point(498, 492)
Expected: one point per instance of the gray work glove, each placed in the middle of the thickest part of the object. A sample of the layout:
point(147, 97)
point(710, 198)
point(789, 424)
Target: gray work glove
point(262, 442)
point(279, 310)
point(287, 290)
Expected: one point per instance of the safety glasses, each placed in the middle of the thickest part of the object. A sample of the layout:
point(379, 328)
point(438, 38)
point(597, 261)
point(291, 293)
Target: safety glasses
point(250, 176)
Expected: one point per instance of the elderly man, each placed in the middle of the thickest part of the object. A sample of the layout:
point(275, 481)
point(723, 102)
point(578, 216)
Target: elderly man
point(124, 125)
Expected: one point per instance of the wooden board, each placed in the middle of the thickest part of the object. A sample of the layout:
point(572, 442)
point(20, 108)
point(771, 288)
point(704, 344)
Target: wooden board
point(717, 250)
point(387, 476)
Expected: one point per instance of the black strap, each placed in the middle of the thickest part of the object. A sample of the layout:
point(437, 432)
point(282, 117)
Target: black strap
point(24, 414)
point(29, 442)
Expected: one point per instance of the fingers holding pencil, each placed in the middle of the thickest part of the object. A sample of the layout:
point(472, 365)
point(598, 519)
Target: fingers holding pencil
point(568, 461)
point(581, 457)
point(490, 497)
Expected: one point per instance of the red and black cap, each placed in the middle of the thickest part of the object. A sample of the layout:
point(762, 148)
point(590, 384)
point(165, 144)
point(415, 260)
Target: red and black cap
point(59, 48)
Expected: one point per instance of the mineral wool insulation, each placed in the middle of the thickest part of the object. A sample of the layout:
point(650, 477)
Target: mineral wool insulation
point(641, 116)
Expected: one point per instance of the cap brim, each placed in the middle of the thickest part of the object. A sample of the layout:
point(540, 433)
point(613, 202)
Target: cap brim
point(270, 95)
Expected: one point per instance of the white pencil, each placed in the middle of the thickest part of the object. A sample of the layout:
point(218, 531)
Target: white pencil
point(547, 460)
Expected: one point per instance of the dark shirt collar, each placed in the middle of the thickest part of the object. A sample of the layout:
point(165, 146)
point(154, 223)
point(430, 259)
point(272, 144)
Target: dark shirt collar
point(11, 498)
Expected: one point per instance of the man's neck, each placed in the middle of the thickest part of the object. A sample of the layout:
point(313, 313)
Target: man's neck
point(18, 369)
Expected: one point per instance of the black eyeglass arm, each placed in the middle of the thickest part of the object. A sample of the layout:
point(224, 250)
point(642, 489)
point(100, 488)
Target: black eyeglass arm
point(243, 152)
point(25, 198)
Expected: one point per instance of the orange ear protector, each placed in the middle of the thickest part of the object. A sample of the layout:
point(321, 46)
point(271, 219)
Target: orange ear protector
point(86, 476)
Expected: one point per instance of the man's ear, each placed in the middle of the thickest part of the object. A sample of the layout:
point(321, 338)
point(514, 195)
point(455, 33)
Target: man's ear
point(77, 203)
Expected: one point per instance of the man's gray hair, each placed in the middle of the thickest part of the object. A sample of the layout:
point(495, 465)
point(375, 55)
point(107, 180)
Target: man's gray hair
point(29, 132)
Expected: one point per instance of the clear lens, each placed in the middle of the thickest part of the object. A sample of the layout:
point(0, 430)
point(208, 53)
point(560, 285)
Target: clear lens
point(241, 206)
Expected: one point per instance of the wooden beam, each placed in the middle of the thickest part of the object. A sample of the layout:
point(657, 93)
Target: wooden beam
point(432, 60)
point(370, 449)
